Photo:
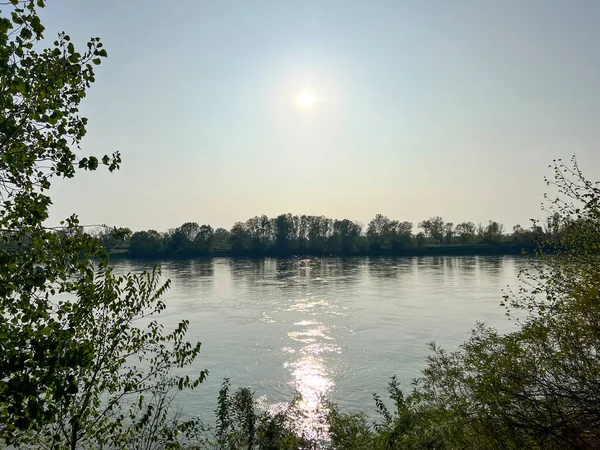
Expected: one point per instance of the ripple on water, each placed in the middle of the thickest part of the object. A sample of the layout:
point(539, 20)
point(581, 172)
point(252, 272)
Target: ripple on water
point(311, 377)
point(261, 322)
point(313, 383)
point(305, 323)
point(306, 305)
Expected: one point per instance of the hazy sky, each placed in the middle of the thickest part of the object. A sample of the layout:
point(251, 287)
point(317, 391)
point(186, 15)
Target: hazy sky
point(424, 108)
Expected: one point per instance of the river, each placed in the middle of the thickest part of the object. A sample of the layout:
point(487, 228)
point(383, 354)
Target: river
point(334, 328)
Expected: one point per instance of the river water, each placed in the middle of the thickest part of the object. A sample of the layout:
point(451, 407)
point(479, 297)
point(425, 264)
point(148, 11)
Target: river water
point(333, 328)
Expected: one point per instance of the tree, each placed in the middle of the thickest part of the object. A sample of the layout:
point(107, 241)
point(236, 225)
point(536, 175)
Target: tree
point(181, 240)
point(146, 243)
point(50, 353)
point(319, 231)
point(378, 233)
point(112, 373)
point(240, 237)
point(523, 237)
point(220, 240)
point(400, 236)
point(260, 229)
point(203, 239)
point(390, 235)
point(111, 238)
point(434, 229)
point(448, 232)
point(466, 232)
point(303, 223)
point(536, 387)
point(286, 233)
point(493, 232)
point(345, 238)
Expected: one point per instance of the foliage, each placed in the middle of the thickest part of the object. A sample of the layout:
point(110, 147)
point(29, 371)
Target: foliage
point(111, 366)
point(114, 238)
point(241, 425)
point(407, 426)
point(536, 387)
point(70, 330)
point(289, 234)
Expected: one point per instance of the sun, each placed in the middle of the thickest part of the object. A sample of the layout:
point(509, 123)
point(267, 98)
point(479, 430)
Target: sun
point(306, 98)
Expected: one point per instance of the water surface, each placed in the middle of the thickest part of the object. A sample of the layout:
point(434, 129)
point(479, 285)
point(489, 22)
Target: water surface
point(329, 327)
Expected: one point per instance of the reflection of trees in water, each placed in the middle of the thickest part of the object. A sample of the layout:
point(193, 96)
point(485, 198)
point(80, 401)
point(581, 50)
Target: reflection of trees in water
point(284, 269)
point(347, 264)
point(431, 263)
point(253, 270)
point(492, 266)
point(466, 264)
point(203, 268)
point(390, 267)
point(247, 269)
point(190, 275)
point(122, 266)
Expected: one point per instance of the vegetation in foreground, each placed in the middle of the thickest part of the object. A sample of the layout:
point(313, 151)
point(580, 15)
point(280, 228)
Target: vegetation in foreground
point(84, 362)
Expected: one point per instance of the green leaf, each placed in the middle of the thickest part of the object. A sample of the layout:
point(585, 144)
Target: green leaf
point(92, 163)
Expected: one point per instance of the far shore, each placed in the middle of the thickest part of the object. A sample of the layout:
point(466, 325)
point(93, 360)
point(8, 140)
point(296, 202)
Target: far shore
point(496, 249)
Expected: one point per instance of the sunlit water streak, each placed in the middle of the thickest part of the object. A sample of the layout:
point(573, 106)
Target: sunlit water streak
point(334, 328)
point(311, 378)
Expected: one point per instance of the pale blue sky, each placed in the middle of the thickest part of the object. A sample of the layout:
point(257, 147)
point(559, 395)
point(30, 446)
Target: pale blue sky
point(425, 108)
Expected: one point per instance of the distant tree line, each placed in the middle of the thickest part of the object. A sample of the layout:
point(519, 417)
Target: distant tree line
point(289, 234)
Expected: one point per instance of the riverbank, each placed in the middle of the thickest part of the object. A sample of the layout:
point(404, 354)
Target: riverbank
point(480, 249)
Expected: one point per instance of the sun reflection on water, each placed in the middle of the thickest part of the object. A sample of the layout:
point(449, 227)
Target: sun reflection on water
point(311, 377)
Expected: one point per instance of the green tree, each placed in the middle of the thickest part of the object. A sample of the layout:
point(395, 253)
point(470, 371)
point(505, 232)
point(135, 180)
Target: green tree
point(261, 232)
point(181, 239)
point(239, 424)
point(345, 238)
point(434, 229)
point(112, 238)
point(203, 239)
point(465, 232)
point(67, 326)
point(220, 240)
point(536, 387)
point(401, 235)
point(493, 232)
point(319, 231)
point(286, 233)
point(448, 232)
point(240, 240)
point(113, 373)
point(146, 243)
point(378, 233)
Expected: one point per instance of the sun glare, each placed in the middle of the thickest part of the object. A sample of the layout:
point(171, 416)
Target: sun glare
point(306, 98)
